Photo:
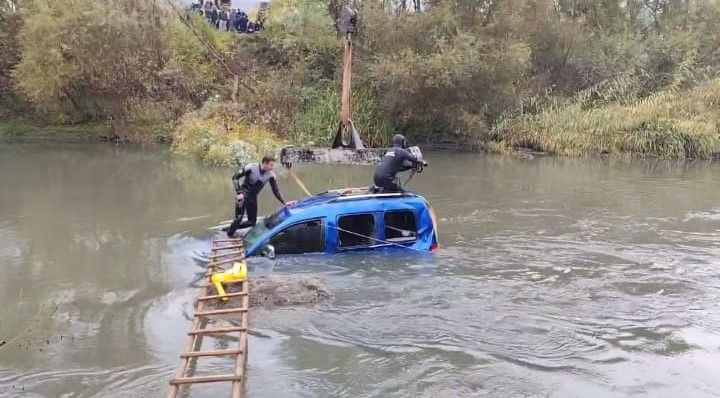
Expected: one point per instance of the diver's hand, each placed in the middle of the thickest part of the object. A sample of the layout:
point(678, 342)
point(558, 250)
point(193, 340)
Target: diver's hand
point(290, 202)
point(239, 197)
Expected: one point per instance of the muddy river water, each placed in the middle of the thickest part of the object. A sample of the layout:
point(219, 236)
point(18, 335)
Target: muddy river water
point(556, 277)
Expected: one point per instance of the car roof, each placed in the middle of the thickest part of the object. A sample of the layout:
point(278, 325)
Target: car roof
point(349, 199)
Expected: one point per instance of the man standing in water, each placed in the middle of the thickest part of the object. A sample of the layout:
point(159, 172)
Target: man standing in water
point(393, 162)
point(256, 176)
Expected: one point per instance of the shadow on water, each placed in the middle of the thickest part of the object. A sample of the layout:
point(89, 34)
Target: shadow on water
point(555, 277)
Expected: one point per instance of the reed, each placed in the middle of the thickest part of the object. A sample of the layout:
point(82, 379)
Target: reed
point(669, 124)
point(318, 122)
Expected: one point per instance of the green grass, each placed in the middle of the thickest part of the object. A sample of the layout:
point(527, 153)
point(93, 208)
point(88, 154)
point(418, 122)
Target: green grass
point(217, 134)
point(318, 122)
point(669, 124)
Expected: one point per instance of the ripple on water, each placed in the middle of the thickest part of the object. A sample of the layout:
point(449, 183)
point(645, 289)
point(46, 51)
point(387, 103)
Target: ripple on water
point(549, 305)
point(555, 277)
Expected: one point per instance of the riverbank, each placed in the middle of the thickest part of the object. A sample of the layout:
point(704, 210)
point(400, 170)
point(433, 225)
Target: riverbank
point(221, 144)
point(609, 80)
point(672, 124)
point(16, 129)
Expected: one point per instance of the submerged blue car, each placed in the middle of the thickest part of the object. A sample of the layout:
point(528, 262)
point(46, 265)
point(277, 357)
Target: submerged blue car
point(345, 220)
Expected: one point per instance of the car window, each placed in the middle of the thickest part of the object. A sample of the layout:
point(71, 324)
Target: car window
point(305, 237)
point(356, 230)
point(400, 226)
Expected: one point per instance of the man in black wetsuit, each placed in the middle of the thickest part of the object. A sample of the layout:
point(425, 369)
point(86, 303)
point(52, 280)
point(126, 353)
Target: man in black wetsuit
point(392, 163)
point(256, 176)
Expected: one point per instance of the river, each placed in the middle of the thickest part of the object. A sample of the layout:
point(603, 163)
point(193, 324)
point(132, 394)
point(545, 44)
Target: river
point(556, 277)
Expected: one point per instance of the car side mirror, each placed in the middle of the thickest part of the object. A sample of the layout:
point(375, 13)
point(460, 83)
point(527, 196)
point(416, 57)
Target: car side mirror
point(268, 251)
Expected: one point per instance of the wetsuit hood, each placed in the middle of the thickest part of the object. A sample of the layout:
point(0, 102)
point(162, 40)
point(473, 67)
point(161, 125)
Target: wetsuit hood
point(399, 140)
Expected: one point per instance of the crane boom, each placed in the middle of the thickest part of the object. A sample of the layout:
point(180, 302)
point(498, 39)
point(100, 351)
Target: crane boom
point(347, 147)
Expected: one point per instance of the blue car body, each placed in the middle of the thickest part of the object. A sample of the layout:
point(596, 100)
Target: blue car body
point(346, 220)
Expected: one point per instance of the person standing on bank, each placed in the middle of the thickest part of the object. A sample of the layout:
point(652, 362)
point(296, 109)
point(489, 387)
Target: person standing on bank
point(246, 193)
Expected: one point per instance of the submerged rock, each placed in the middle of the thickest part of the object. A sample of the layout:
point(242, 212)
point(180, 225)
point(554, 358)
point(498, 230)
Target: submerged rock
point(270, 290)
point(279, 290)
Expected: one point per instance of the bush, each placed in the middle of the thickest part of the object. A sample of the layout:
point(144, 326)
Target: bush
point(130, 64)
point(10, 24)
point(318, 122)
point(149, 121)
point(218, 134)
point(579, 76)
point(427, 84)
point(85, 59)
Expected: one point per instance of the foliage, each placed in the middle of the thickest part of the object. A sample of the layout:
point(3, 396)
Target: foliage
point(219, 134)
point(566, 76)
point(186, 72)
point(83, 58)
point(667, 124)
point(318, 121)
point(116, 61)
point(10, 23)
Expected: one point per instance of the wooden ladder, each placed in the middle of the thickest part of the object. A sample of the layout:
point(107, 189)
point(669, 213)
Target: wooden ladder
point(224, 251)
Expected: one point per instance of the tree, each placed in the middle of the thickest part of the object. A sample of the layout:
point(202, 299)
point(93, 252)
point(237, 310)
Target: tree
point(85, 59)
point(10, 23)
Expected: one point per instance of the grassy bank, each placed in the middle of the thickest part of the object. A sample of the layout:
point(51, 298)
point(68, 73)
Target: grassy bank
point(16, 129)
point(630, 78)
point(219, 134)
point(669, 124)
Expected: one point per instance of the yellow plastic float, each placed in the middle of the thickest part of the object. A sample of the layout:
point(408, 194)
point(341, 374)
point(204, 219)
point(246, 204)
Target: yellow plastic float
point(237, 273)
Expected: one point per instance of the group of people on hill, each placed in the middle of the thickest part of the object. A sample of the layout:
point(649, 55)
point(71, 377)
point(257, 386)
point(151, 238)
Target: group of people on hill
point(232, 20)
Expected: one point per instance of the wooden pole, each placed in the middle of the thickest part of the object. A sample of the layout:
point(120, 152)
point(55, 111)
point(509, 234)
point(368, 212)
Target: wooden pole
point(345, 97)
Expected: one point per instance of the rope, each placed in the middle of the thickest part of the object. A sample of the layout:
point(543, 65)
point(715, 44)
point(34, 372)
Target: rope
point(300, 183)
point(378, 240)
point(412, 174)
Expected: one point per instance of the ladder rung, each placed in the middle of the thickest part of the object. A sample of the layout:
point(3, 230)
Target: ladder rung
point(221, 311)
point(227, 240)
point(215, 269)
point(205, 379)
point(224, 283)
point(218, 330)
point(217, 296)
point(229, 260)
point(227, 247)
point(235, 253)
point(214, 353)
point(219, 270)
